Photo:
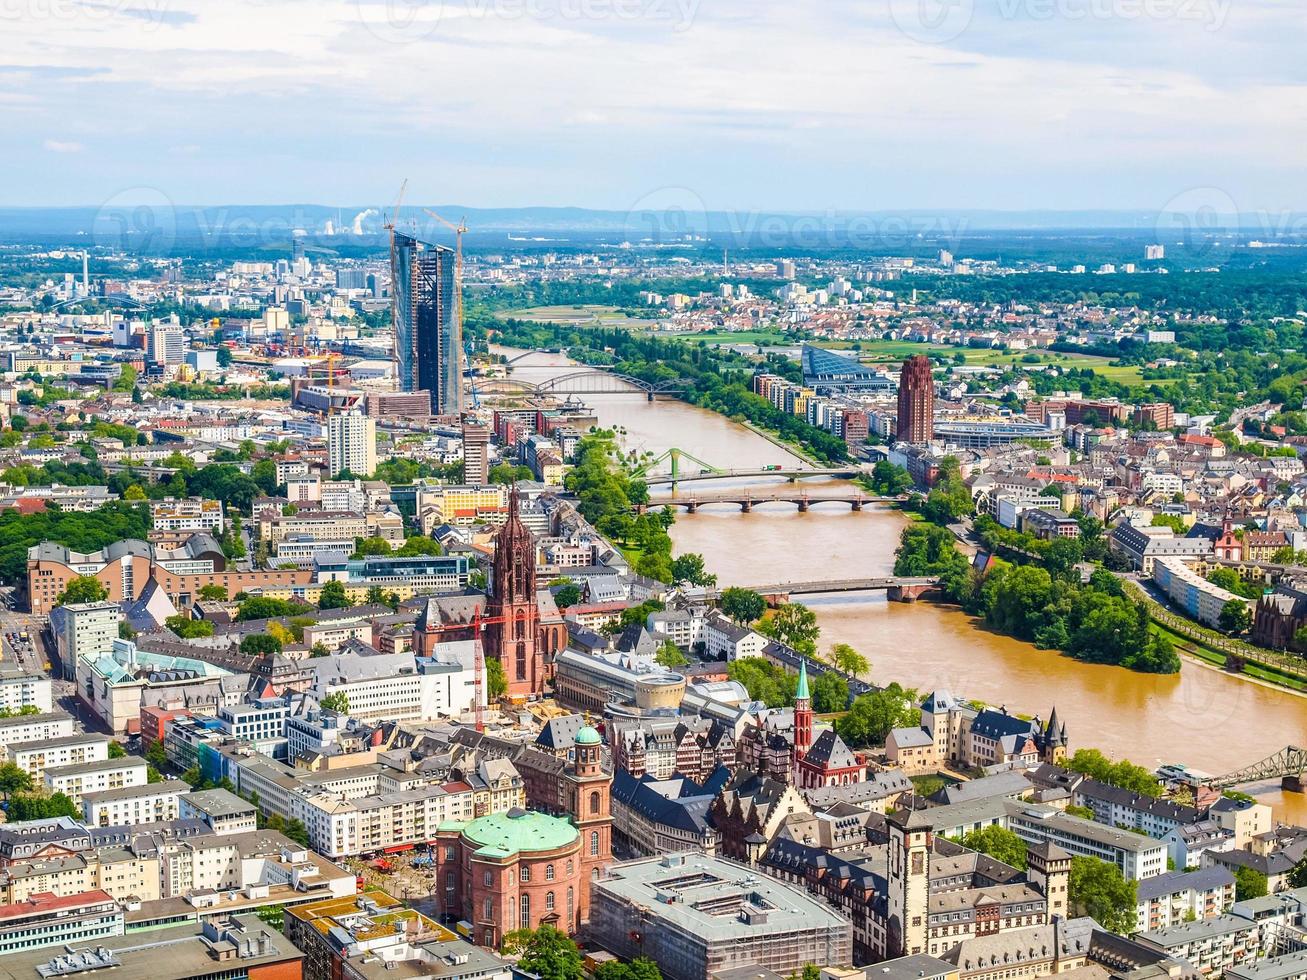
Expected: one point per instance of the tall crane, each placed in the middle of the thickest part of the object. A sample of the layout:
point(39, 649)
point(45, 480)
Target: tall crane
point(458, 230)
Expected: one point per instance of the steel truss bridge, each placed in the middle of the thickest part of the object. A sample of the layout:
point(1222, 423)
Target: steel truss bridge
point(747, 500)
point(1287, 765)
point(588, 382)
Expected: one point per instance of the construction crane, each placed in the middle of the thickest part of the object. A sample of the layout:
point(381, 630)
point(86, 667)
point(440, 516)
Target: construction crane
point(471, 376)
point(458, 230)
point(477, 625)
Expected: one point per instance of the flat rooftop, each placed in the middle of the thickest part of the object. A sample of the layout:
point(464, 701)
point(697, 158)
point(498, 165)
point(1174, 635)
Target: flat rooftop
point(715, 899)
point(173, 953)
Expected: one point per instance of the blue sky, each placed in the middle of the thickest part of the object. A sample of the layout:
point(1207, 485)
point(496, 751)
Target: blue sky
point(828, 104)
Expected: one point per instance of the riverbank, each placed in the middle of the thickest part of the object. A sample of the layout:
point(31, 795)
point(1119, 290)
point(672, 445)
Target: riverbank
point(1207, 719)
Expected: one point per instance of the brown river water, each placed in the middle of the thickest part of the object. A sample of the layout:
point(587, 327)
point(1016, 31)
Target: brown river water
point(1202, 717)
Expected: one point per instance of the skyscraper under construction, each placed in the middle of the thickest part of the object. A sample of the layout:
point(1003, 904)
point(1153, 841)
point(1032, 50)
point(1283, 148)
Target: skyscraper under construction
point(429, 344)
point(916, 422)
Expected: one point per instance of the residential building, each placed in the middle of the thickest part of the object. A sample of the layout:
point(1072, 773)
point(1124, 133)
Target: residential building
point(26, 691)
point(1177, 897)
point(1210, 946)
point(34, 728)
point(1138, 857)
point(94, 777)
point(352, 444)
point(65, 750)
point(476, 453)
point(221, 810)
point(133, 805)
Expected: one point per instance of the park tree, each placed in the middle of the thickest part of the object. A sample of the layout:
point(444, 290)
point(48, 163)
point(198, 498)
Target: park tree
point(873, 715)
point(689, 569)
point(188, 628)
point(1236, 618)
point(743, 605)
point(213, 592)
point(830, 692)
point(84, 588)
point(1100, 891)
point(849, 660)
point(795, 625)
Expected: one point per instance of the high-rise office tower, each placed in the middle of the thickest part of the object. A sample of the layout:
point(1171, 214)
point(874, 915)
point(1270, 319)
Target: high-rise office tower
point(427, 333)
point(476, 453)
point(916, 422)
point(352, 444)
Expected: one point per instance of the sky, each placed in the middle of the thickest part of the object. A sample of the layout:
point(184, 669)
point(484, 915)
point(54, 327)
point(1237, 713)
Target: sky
point(623, 104)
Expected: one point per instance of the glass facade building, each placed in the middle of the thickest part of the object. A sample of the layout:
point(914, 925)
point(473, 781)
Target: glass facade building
point(429, 345)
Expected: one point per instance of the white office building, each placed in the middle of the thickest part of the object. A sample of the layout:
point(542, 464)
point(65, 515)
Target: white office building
point(352, 444)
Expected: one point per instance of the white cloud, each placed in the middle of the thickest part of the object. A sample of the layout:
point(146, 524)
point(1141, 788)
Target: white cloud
point(63, 146)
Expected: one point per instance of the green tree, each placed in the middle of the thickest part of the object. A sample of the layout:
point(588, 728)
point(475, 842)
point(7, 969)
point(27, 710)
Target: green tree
point(689, 568)
point(764, 681)
point(743, 605)
point(213, 592)
point(1123, 774)
point(1236, 618)
point(188, 628)
point(333, 596)
point(496, 679)
point(265, 607)
point(795, 625)
point(1099, 890)
point(545, 952)
point(567, 595)
point(830, 692)
point(376, 596)
point(259, 644)
point(84, 588)
point(156, 756)
point(507, 473)
point(637, 969)
point(14, 779)
point(369, 547)
point(1250, 883)
point(116, 751)
point(873, 715)
point(999, 843)
point(849, 660)
point(31, 807)
point(337, 701)
point(670, 655)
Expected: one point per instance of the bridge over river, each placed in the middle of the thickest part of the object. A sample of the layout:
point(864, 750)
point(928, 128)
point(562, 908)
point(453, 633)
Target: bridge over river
point(746, 500)
point(898, 588)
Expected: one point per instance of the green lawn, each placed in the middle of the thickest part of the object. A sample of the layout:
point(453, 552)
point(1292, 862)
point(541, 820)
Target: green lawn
point(583, 315)
point(888, 351)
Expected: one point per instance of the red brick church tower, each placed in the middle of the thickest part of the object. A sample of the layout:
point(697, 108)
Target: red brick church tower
point(588, 796)
point(514, 641)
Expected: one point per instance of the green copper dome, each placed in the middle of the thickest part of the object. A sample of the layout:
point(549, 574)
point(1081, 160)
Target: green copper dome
point(587, 736)
point(503, 834)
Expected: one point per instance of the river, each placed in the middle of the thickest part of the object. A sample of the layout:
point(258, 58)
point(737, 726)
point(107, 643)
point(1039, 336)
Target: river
point(1202, 717)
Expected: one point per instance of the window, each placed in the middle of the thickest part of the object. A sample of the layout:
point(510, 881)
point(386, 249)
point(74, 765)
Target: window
point(594, 802)
point(594, 843)
point(488, 910)
point(524, 913)
point(549, 901)
point(568, 920)
point(485, 878)
point(524, 874)
point(549, 872)
point(569, 867)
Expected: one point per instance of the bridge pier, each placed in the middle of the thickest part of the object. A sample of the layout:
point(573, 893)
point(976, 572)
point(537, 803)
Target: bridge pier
point(803, 505)
point(746, 506)
point(857, 506)
point(1292, 784)
point(691, 506)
